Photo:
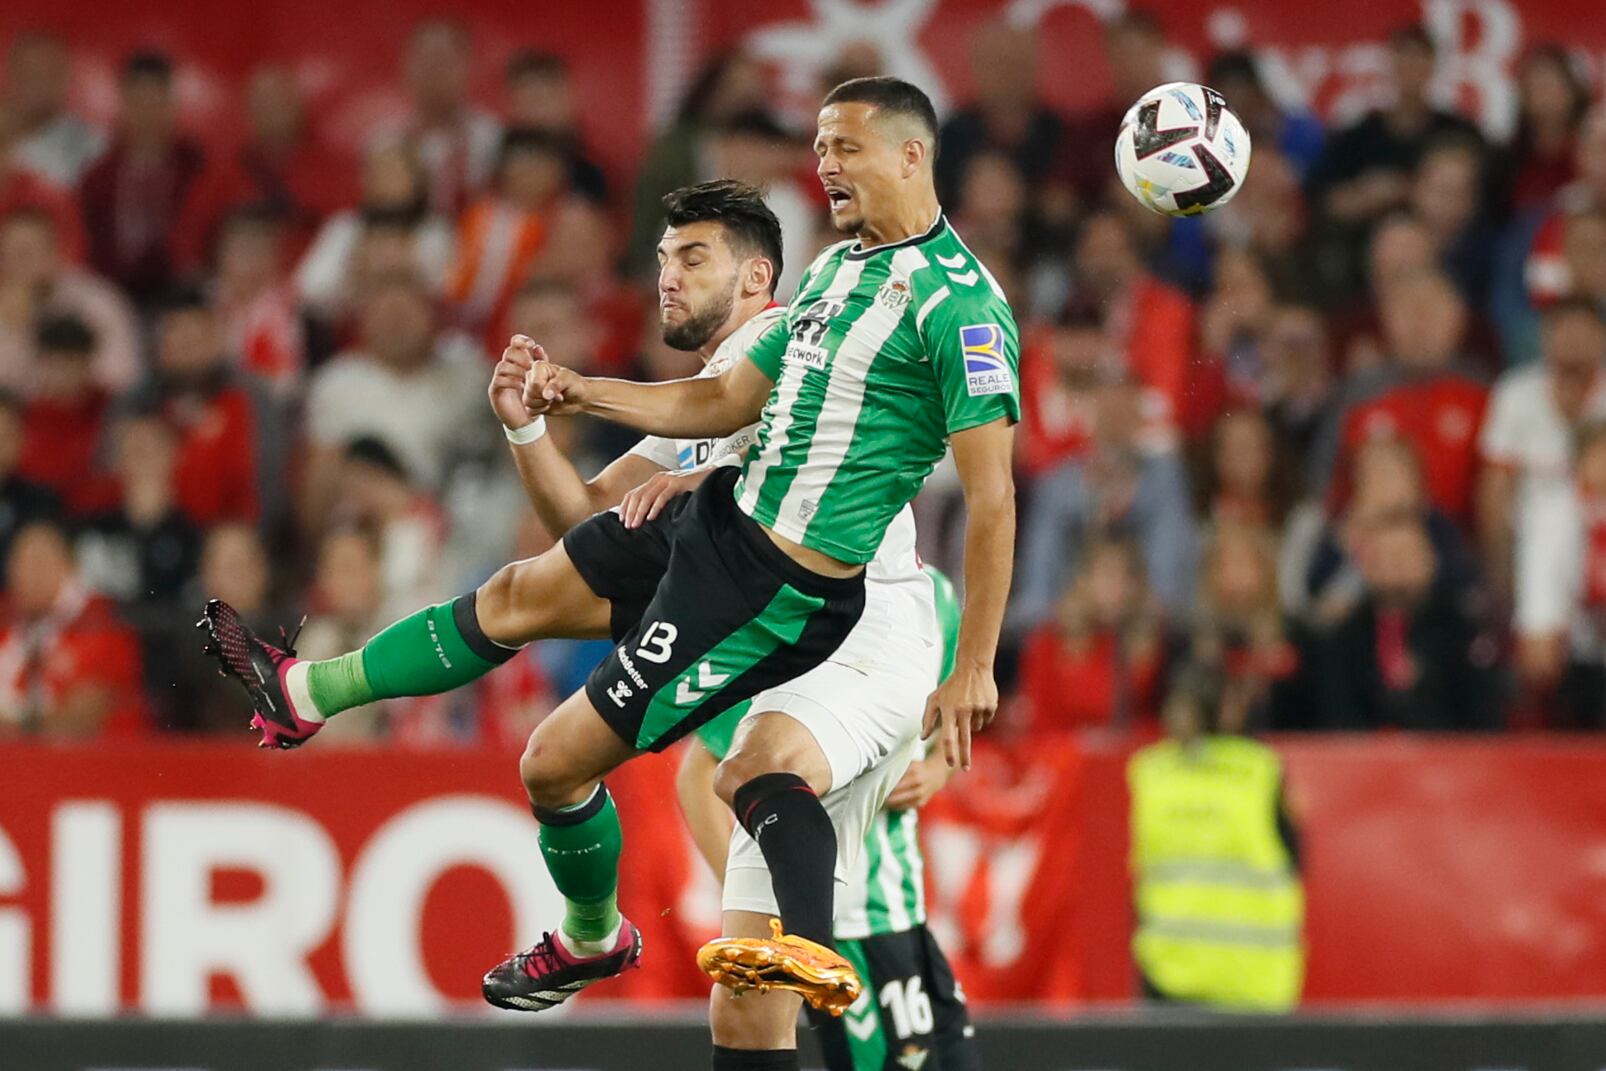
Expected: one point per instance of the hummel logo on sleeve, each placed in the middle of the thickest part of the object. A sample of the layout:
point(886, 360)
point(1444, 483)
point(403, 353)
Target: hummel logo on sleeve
point(986, 369)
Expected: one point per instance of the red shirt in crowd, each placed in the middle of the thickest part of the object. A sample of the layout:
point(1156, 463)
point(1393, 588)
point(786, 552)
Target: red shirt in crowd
point(1157, 334)
point(302, 189)
point(1073, 686)
point(215, 476)
point(132, 212)
point(59, 444)
point(1057, 422)
point(20, 189)
point(1439, 415)
point(43, 664)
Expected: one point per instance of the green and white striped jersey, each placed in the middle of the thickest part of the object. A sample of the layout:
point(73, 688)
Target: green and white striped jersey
point(882, 355)
point(886, 892)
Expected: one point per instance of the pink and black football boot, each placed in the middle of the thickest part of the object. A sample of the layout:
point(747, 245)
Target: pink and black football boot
point(548, 974)
point(260, 667)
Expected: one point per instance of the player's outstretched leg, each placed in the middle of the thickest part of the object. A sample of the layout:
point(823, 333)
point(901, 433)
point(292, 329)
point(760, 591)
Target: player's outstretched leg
point(580, 841)
point(772, 779)
point(434, 650)
point(752, 1031)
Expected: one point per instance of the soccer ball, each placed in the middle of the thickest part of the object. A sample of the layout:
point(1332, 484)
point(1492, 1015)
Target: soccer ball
point(1181, 151)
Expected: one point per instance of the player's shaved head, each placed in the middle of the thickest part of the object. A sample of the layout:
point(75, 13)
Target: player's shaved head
point(901, 108)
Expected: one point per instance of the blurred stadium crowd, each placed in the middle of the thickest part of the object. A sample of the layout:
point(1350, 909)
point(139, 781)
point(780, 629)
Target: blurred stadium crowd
point(1345, 438)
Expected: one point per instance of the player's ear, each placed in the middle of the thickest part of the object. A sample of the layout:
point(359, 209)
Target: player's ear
point(758, 273)
point(916, 153)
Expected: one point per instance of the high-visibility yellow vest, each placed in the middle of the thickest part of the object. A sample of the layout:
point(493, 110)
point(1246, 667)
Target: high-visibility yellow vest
point(1221, 911)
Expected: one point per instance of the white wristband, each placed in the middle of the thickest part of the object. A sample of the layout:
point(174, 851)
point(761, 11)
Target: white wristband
point(532, 431)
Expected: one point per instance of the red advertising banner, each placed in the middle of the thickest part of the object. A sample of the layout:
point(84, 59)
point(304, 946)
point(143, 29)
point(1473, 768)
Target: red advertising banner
point(208, 876)
point(633, 59)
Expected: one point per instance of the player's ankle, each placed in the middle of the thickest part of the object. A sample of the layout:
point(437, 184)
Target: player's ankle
point(587, 942)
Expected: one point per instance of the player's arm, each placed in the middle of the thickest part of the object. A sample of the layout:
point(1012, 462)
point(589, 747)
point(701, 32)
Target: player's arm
point(968, 699)
point(707, 816)
point(700, 407)
point(561, 496)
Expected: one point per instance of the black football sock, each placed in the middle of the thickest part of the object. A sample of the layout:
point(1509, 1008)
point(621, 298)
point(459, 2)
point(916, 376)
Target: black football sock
point(754, 1059)
point(781, 812)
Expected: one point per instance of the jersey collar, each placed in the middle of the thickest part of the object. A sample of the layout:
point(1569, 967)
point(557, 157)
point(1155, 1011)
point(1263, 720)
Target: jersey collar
point(859, 253)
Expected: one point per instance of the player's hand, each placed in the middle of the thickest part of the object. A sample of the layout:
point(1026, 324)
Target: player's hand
point(553, 389)
point(962, 705)
point(644, 503)
point(507, 381)
point(922, 780)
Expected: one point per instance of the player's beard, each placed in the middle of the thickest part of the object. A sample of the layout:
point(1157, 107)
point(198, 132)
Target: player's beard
point(696, 329)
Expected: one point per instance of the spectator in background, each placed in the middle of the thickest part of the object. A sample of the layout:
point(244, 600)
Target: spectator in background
point(991, 209)
point(1134, 48)
point(1150, 323)
point(280, 171)
point(1535, 413)
point(1364, 170)
point(503, 238)
point(191, 694)
point(145, 552)
point(408, 525)
point(1247, 480)
point(49, 140)
point(135, 195)
point(1446, 195)
point(455, 141)
point(1295, 137)
point(227, 431)
point(64, 420)
point(22, 501)
point(1419, 397)
point(753, 147)
point(1411, 654)
point(1006, 118)
point(414, 388)
point(552, 312)
point(1239, 629)
point(1098, 662)
point(731, 83)
point(69, 667)
point(1584, 250)
point(540, 96)
point(1320, 572)
point(1400, 247)
point(1552, 100)
point(262, 328)
point(391, 229)
point(1062, 365)
point(36, 282)
point(1560, 619)
point(1546, 272)
point(1128, 484)
point(1297, 385)
point(343, 607)
point(1232, 322)
point(1267, 218)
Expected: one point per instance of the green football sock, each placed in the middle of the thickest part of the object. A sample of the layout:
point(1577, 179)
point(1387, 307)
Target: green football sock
point(581, 846)
point(434, 650)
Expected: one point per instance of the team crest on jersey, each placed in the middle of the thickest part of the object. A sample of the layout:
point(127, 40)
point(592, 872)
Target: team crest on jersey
point(894, 294)
point(986, 369)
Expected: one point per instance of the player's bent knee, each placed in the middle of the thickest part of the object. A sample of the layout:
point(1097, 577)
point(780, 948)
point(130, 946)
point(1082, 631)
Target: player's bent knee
point(504, 615)
point(549, 782)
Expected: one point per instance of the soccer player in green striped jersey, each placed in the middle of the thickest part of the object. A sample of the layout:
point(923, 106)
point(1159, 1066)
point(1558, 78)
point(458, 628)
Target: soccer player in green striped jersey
point(912, 1011)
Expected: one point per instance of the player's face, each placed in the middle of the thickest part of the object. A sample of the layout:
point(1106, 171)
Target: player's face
point(697, 283)
point(860, 165)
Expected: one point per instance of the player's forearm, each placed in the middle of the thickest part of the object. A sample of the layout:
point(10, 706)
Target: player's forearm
point(562, 499)
point(989, 564)
point(681, 408)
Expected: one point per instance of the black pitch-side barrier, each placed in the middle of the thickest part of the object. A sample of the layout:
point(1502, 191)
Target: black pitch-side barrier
point(1568, 1040)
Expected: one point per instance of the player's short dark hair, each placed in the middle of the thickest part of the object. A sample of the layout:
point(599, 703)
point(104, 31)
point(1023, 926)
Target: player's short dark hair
point(891, 95)
point(64, 334)
point(750, 226)
point(533, 63)
point(148, 63)
point(1572, 305)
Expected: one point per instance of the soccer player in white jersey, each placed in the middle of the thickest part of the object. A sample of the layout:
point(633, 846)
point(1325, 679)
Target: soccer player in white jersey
point(898, 346)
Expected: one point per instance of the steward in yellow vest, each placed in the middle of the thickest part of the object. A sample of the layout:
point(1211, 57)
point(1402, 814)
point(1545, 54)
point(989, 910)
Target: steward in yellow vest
point(1220, 907)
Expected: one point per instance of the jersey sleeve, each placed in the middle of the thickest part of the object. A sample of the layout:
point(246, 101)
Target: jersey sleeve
point(659, 450)
point(970, 337)
point(768, 349)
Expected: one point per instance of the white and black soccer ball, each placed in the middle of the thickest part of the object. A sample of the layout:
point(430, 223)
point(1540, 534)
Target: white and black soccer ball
point(1181, 151)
